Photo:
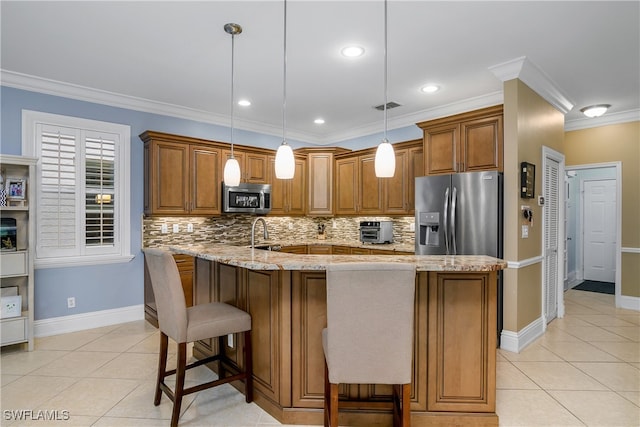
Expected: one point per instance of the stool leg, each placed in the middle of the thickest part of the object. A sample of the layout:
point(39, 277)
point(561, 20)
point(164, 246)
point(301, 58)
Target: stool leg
point(162, 367)
point(248, 368)
point(402, 405)
point(180, 374)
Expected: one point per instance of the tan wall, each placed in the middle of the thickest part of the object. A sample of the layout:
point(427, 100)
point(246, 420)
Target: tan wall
point(530, 123)
point(616, 143)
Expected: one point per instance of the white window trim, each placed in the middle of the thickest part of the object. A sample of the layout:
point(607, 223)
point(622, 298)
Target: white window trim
point(30, 119)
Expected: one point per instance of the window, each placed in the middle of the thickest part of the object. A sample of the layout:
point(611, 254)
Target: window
point(83, 189)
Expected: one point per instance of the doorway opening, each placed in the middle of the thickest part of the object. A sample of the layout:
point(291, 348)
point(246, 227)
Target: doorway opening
point(593, 228)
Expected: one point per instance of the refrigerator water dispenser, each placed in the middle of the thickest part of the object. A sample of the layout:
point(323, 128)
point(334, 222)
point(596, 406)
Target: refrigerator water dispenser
point(429, 223)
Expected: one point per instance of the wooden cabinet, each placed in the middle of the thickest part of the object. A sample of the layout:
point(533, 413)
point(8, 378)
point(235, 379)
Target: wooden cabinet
point(186, 266)
point(462, 342)
point(399, 191)
point(319, 249)
point(16, 261)
point(357, 189)
point(465, 142)
point(297, 249)
point(264, 295)
point(288, 196)
point(180, 178)
point(320, 178)
point(253, 165)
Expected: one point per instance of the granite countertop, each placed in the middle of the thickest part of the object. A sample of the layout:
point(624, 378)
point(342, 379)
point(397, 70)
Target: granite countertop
point(400, 247)
point(257, 259)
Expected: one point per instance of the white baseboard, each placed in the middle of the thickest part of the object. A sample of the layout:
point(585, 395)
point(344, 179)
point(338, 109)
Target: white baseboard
point(84, 321)
point(515, 342)
point(630, 303)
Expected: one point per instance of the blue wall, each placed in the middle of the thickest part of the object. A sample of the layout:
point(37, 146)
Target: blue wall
point(112, 286)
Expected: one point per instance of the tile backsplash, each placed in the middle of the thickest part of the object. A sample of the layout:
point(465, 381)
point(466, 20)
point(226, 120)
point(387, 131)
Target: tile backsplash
point(236, 229)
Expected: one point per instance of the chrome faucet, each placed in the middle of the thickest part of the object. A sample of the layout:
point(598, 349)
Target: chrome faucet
point(253, 230)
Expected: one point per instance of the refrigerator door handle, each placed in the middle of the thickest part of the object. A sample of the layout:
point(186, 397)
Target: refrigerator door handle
point(454, 202)
point(446, 220)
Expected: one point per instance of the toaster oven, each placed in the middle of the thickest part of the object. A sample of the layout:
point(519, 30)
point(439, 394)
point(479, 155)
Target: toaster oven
point(376, 231)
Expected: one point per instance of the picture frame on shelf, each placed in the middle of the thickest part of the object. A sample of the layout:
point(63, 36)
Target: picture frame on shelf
point(16, 188)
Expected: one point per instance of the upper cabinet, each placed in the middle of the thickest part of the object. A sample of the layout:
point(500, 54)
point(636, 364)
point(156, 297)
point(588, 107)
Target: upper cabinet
point(359, 192)
point(181, 177)
point(288, 195)
point(253, 165)
point(320, 177)
point(465, 142)
point(357, 189)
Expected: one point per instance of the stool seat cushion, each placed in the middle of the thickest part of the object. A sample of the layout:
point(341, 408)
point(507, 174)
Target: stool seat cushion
point(215, 319)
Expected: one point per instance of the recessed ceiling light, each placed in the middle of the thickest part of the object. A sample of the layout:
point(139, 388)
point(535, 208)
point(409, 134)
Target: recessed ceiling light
point(595, 110)
point(430, 88)
point(352, 51)
point(244, 102)
point(319, 121)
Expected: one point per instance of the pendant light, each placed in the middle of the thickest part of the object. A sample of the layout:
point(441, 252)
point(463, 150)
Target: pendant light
point(232, 167)
point(385, 163)
point(285, 163)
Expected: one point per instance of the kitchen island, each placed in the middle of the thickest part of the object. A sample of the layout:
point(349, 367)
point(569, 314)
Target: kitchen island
point(454, 334)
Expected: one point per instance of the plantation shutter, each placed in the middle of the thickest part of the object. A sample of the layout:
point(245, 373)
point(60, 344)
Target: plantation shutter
point(57, 204)
point(100, 197)
point(78, 199)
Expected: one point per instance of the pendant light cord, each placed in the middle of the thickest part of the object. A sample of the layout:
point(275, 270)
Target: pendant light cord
point(284, 79)
point(233, 38)
point(385, 71)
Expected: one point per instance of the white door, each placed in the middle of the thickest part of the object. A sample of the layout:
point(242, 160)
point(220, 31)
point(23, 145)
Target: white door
point(600, 230)
point(551, 237)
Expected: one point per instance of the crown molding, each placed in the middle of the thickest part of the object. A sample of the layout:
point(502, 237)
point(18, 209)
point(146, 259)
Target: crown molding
point(525, 70)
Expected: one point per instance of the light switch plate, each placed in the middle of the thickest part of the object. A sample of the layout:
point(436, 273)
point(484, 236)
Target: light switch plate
point(525, 231)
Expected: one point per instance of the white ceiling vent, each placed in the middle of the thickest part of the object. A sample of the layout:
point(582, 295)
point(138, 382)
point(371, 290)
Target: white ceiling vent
point(390, 105)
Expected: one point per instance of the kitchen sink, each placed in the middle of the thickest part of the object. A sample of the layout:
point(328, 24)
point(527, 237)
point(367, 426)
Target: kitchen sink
point(274, 248)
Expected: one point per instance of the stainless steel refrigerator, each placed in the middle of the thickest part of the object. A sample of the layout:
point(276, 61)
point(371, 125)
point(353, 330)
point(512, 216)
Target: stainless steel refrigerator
point(461, 214)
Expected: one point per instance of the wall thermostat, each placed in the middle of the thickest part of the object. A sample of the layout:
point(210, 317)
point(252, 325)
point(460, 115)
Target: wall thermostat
point(540, 201)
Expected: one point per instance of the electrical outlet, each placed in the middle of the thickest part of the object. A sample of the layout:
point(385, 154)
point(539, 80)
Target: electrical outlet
point(291, 226)
point(71, 302)
point(176, 228)
point(164, 228)
point(525, 231)
point(412, 226)
point(230, 340)
point(189, 228)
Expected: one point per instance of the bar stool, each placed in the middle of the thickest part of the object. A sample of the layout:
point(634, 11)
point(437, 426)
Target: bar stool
point(369, 334)
point(185, 325)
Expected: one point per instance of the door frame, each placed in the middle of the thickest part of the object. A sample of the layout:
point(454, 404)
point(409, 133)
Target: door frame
point(618, 216)
point(549, 153)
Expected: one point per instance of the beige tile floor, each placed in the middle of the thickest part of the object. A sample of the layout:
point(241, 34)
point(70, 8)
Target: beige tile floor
point(585, 371)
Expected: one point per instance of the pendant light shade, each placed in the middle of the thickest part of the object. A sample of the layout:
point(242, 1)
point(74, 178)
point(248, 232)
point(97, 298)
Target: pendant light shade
point(385, 164)
point(231, 174)
point(285, 163)
point(385, 160)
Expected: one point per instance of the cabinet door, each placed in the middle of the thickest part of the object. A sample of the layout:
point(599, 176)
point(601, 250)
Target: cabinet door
point(320, 184)
point(297, 249)
point(340, 250)
point(297, 189)
point(256, 168)
point(169, 178)
point(370, 191)
point(278, 190)
point(396, 188)
point(346, 186)
point(359, 251)
point(440, 149)
point(319, 249)
point(416, 168)
point(461, 371)
point(185, 264)
point(205, 181)
point(482, 147)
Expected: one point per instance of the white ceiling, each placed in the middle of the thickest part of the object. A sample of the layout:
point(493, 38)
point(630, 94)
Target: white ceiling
point(175, 57)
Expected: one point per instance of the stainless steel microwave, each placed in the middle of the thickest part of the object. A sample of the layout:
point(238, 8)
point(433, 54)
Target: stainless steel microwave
point(246, 198)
